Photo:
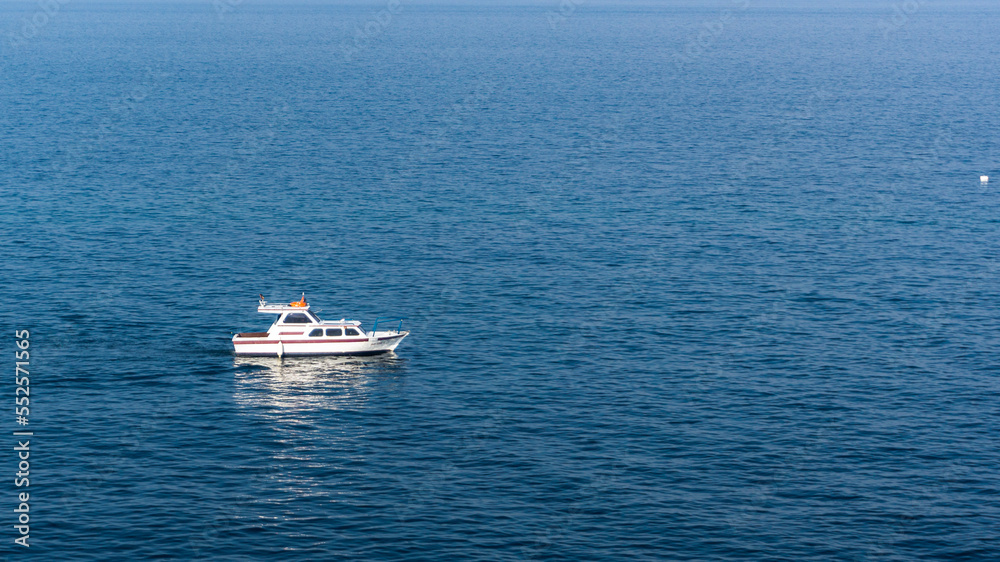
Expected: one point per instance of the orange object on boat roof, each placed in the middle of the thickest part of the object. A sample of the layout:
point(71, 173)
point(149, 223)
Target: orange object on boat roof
point(299, 303)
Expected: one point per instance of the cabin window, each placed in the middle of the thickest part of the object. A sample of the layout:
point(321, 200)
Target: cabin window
point(334, 332)
point(351, 332)
point(297, 318)
point(316, 333)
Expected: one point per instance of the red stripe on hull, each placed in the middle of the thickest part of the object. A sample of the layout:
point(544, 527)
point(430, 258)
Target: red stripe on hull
point(261, 342)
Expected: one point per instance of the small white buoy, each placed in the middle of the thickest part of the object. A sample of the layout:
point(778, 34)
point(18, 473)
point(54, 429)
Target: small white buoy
point(984, 179)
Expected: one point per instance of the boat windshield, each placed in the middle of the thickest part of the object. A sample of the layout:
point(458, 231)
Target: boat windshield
point(299, 318)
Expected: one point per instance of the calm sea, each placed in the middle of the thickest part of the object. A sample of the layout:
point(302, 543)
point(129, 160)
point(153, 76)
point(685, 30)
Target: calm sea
point(704, 281)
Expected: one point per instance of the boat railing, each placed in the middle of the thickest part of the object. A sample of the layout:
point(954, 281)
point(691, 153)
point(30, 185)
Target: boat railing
point(277, 308)
point(399, 327)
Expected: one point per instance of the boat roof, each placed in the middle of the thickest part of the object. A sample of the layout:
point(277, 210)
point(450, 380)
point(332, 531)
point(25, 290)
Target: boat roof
point(301, 306)
point(279, 308)
point(297, 306)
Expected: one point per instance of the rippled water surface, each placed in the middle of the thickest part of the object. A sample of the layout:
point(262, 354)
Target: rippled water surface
point(683, 283)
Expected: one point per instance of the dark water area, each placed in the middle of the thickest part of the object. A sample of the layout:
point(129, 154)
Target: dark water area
point(684, 282)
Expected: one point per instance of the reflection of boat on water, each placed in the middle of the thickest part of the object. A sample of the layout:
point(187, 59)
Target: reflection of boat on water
point(309, 368)
point(305, 418)
point(297, 331)
point(314, 382)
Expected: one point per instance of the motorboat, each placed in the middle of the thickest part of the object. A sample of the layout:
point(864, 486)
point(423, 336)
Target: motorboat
point(298, 331)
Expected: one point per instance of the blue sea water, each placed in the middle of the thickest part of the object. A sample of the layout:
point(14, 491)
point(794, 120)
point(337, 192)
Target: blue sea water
point(685, 281)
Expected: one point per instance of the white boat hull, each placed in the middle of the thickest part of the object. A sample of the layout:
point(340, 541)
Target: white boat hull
point(289, 346)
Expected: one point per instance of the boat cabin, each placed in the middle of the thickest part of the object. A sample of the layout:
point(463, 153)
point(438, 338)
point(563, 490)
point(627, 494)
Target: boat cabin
point(343, 327)
point(297, 315)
